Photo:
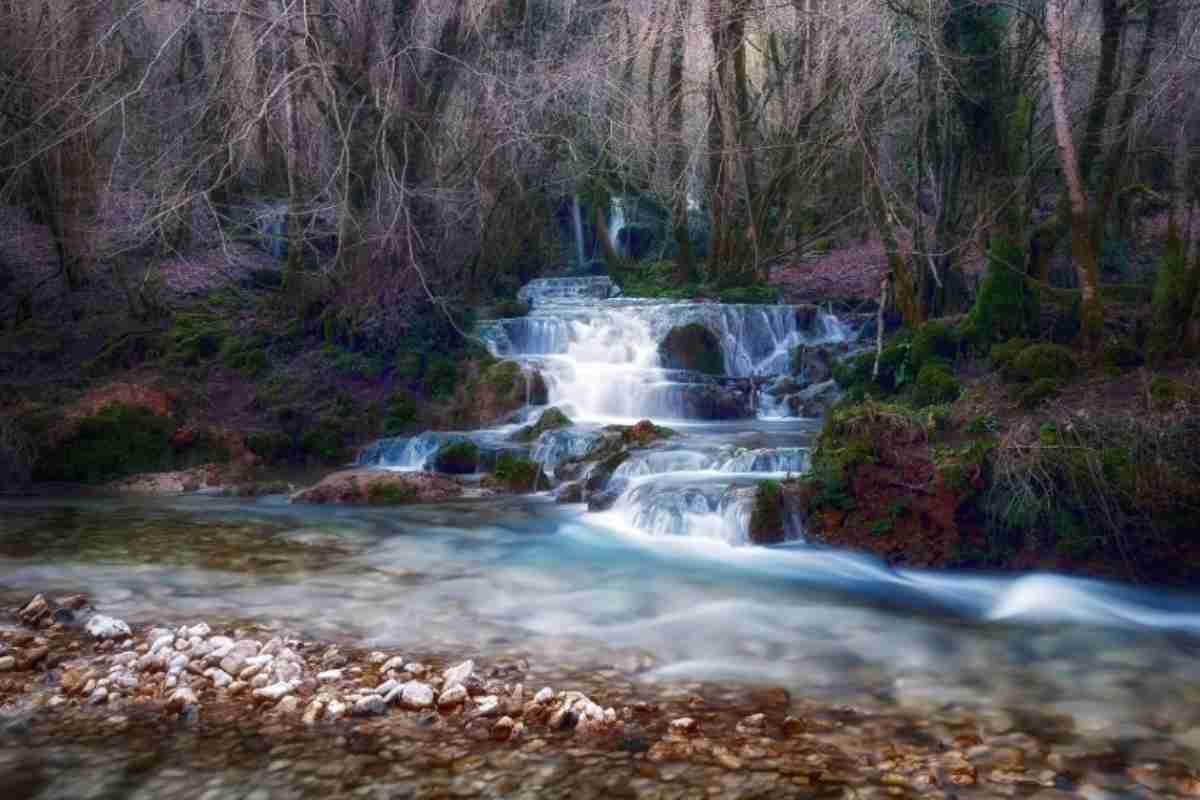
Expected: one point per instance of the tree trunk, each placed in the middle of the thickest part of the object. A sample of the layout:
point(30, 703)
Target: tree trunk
point(685, 267)
point(1082, 249)
point(295, 228)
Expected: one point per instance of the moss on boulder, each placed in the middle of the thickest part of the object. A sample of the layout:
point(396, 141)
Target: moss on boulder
point(551, 419)
point(936, 384)
point(692, 347)
point(457, 458)
point(768, 523)
point(1042, 361)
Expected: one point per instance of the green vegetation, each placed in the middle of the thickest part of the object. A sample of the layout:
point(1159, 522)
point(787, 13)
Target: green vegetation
point(519, 474)
point(935, 385)
point(117, 441)
point(324, 441)
point(658, 280)
point(457, 458)
point(272, 447)
point(391, 494)
point(551, 419)
point(1032, 395)
point(767, 517)
point(194, 337)
point(1045, 361)
point(401, 412)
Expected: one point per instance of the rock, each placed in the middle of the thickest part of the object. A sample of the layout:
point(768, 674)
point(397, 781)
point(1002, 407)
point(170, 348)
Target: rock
point(98, 696)
point(754, 724)
point(7, 663)
point(126, 658)
point(794, 726)
point(74, 602)
point(503, 729)
point(416, 668)
point(313, 712)
point(725, 758)
point(815, 400)
point(396, 664)
point(684, 727)
point(488, 706)
point(371, 485)
point(692, 347)
point(35, 611)
point(181, 700)
point(457, 675)
point(335, 710)
point(288, 705)
point(220, 678)
point(238, 687)
point(569, 493)
point(330, 676)
point(375, 658)
point(606, 499)
point(103, 628)
point(544, 696)
point(386, 687)
point(453, 697)
point(274, 692)
point(413, 695)
point(371, 705)
point(32, 657)
point(72, 681)
point(233, 663)
point(201, 630)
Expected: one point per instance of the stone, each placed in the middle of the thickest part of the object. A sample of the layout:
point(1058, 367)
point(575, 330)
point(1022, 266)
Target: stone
point(274, 692)
point(238, 687)
point(753, 724)
point(7, 663)
point(98, 696)
point(503, 729)
point(454, 696)
point(181, 700)
point(684, 727)
point(794, 726)
point(335, 710)
point(105, 628)
point(416, 668)
point(371, 705)
point(288, 705)
point(164, 641)
point(233, 663)
point(544, 696)
point(330, 676)
point(392, 664)
point(220, 678)
point(386, 687)
point(36, 610)
point(72, 681)
point(313, 712)
point(458, 674)
point(128, 657)
point(415, 695)
point(488, 706)
point(725, 758)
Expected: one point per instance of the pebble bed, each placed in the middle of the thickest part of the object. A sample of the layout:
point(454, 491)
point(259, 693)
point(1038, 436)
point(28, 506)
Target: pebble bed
point(90, 707)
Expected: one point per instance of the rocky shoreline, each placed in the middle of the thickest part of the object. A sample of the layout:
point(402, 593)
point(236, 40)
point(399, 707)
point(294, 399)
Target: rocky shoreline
point(313, 718)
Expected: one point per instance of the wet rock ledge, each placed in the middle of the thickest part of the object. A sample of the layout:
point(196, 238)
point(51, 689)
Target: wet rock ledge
point(346, 718)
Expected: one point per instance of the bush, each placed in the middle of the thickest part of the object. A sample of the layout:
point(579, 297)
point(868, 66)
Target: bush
point(1004, 355)
point(1032, 395)
point(401, 413)
point(271, 447)
point(1040, 361)
point(194, 338)
point(767, 518)
point(441, 377)
point(935, 385)
point(934, 340)
point(457, 458)
point(119, 440)
point(323, 441)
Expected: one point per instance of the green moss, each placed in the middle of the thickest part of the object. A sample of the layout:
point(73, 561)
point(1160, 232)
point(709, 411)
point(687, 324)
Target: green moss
point(194, 338)
point(767, 517)
point(1045, 361)
point(519, 474)
point(457, 458)
point(1004, 355)
point(692, 347)
point(935, 384)
point(441, 377)
point(401, 412)
point(503, 377)
point(1005, 307)
point(1170, 304)
point(119, 440)
point(551, 419)
point(323, 441)
point(271, 447)
point(390, 494)
point(355, 365)
point(408, 365)
point(935, 340)
point(1120, 354)
point(1165, 392)
point(1032, 395)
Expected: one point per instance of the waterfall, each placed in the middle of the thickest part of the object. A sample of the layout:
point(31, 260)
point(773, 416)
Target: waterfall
point(616, 223)
point(577, 220)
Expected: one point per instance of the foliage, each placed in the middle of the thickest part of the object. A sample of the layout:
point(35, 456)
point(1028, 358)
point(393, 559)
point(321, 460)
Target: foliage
point(1032, 395)
point(551, 419)
point(457, 458)
point(401, 412)
point(193, 338)
point(1005, 307)
point(118, 440)
point(1045, 361)
point(272, 447)
point(1119, 354)
point(391, 494)
point(323, 441)
point(518, 474)
point(935, 340)
point(767, 517)
point(935, 385)
point(1004, 355)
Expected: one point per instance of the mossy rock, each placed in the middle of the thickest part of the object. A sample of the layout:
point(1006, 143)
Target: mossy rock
point(935, 385)
point(768, 516)
point(1004, 354)
point(119, 440)
point(644, 433)
point(551, 419)
point(935, 340)
point(1033, 394)
point(692, 347)
point(1045, 361)
point(194, 338)
point(519, 474)
point(457, 458)
point(1165, 392)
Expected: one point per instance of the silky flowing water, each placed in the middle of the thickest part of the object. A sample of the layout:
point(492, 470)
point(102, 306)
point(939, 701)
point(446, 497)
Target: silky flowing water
point(660, 592)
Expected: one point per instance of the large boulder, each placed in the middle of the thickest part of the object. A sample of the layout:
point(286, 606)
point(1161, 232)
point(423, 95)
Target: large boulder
point(492, 394)
point(692, 347)
point(457, 458)
point(550, 420)
point(380, 487)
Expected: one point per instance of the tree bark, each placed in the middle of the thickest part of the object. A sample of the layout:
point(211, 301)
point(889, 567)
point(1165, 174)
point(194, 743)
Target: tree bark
point(685, 267)
point(1082, 249)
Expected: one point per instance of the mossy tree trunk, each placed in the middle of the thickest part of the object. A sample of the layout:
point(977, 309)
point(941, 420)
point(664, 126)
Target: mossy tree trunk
point(685, 266)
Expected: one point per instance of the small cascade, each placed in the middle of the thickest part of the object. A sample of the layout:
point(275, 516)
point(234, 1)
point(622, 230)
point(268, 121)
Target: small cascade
point(554, 447)
point(616, 222)
point(404, 453)
point(577, 223)
point(781, 460)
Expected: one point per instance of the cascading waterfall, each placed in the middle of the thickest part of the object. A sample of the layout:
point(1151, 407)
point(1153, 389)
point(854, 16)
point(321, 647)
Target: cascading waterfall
point(616, 223)
point(577, 221)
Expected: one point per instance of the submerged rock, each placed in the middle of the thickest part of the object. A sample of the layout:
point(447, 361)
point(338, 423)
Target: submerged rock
point(380, 487)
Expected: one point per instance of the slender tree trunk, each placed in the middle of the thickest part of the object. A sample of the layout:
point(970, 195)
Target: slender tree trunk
point(685, 267)
point(295, 228)
point(1082, 249)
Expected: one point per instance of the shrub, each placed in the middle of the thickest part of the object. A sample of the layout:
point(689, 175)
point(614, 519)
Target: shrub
point(934, 340)
point(457, 458)
point(119, 440)
point(390, 494)
point(441, 377)
point(401, 412)
point(1004, 355)
point(323, 441)
point(935, 384)
point(194, 338)
point(767, 518)
point(1032, 395)
point(1039, 361)
point(271, 447)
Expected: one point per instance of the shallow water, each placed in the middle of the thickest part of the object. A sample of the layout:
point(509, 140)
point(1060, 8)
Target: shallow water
point(569, 590)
